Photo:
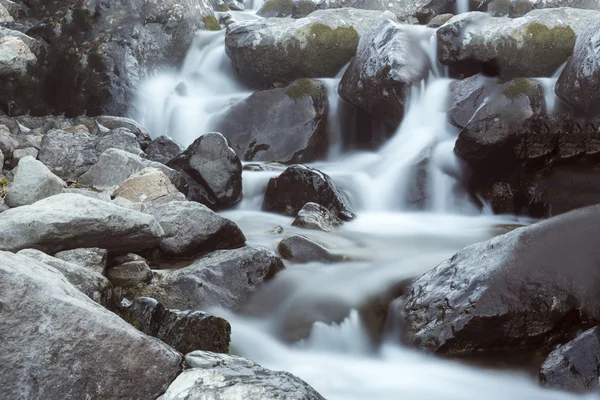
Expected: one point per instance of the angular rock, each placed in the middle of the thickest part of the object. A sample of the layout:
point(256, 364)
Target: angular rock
point(32, 182)
point(111, 122)
point(124, 363)
point(276, 9)
point(466, 97)
point(163, 149)
point(18, 154)
point(217, 376)
point(224, 278)
point(298, 185)
point(71, 221)
point(112, 168)
point(212, 171)
point(287, 125)
point(315, 216)
point(150, 187)
point(68, 155)
point(129, 274)
point(574, 366)
point(120, 138)
point(512, 291)
point(192, 228)
point(8, 144)
point(90, 258)
point(300, 249)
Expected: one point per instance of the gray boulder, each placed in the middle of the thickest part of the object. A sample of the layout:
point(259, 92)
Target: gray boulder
point(112, 168)
point(129, 274)
point(466, 97)
point(300, 249)
point(91, 258)
point(70, 221)
point(315, 216)
point(32, 182)
point(120, 138)
point(287, 125)
point(150, 188)
point(276, 9)
point(583, 4)
point(112, 122)
point(84, 351)
point(21, 153)
point(67, 154)
point(163, 149)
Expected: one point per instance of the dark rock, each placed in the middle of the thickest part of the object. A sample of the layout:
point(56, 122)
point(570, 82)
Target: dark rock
point(212, 171)
point(287, 125)
point(315, 216)
point(466, 96)
point(300, 249)
point(129, 274)
point(163, 149)
point(276, 8)
point(518, 8)
point(298, 185)
point(439, 20)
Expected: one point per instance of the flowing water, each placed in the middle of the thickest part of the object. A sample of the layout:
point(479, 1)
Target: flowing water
point(388, 242)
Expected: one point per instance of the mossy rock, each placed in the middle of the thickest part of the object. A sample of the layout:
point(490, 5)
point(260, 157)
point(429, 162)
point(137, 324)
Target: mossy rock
point(522, 86)
point(304, 87)
point(276, 8)
point(211, 23)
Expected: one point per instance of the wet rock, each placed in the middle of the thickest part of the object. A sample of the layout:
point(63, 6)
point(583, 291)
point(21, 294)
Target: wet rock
point(300, 249)
point(150, 188)
point(185, 331)
point(298, 185)
point(32, 182)
point(71, 221)
point(129, 274)
point(274, 50)
point(68, 155)
point(466, 96)
point(18, 154)
point(124, 363)
point(583, 4)
point(212, 171)
point(287, 125)
point(315, 216)
point(512, 291)
point(579, 83)
point(112, 168)
point(120, 138)
point(518, 8)
point(224, 278)
point(301, 8)
point(163, 149)
point(439, 20)
point(90, 258)
point(574, 366)
point(276, 8)
point(219, 375)
point(389, 61)
point(192, 228)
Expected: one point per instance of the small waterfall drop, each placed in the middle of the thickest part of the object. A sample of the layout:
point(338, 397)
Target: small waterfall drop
point(462, 6)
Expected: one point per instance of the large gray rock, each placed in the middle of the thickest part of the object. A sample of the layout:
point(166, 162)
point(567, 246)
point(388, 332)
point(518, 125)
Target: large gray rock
point(225, 377)
point(59, 344)
point(574, 366)
point(120, 138)
point(163, 149)
point(274, 50)
point(211, 170)
point(70, 221)
point(224, 278)
point(192, 228)
point(129, 274)
point(300, 249)
point(112, 122)
point(150, 188)
point(287, 125)
point(513, 291)
point(91, 258)
point(33, 181)
point(466, 97)
point(67, 154)
point(112, 168)
point(579, 83)
point(390, 59)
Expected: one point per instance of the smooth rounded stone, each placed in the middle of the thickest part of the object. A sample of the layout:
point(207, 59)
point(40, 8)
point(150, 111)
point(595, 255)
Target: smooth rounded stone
point(185, 331)
point(124, 363)
point(535, 45)
point(223, 278)
point(120, 138)
point(150, 187)
point(192, 228)
point(68, 155)
point(32, 182)
point(276, 9)
point(212, 171)
point(287, 125)
point(225, 377)
point(579, 83)
point(112, 168)
point(574, 366)
point(278, 51)
point(163, 149)
point(129, 274)
point(91, 283)
point(439, 20)
point(315, 216)
point(514, 291)
point(389, 61)
point(90, 258)
point(300, 249)
point(19, 154)
point(71, 221)
point(298, 185)
point(466, 97)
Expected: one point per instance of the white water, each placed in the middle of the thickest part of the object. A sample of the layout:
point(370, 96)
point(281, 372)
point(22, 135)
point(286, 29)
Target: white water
point(386, 244)
point(462, 6)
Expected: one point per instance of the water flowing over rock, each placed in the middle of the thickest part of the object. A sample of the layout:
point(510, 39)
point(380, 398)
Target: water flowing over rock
point(124, 363)
point(300, 249)
point(390, 59)
point(32, 182)
point(315, 216)
point(225, 377)
point(70, 221)
point(287, 125)
point(579, 83)
point(512, 291)
point(275, 50)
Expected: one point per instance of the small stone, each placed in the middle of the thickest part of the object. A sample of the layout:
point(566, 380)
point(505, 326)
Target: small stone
point(129, 274)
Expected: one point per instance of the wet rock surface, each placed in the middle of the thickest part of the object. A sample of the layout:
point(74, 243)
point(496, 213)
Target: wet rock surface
point(315, 216)
point(300, 249)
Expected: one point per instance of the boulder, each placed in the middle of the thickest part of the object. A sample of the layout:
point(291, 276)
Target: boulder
point(466, 97)
point(389, 61)
point(112, 122)
point(185, 331)
point(70, 221)
point(298, 185)
point(222, 376)
point(18, 154)
point(287, 125)
point(120, 138)
point(32, 182)
point(315, 216)
point(192, 228)
point(224, 278)
point(8, 143)
point(575, 366)
point(583, 4)
point(274, 50)
point(129, 274)
point(276, 9)
point(579, 83)
point(163, 149)
point(510, 292)
point(211, 170)
point(112, 168)
point(84, 351)
point(150, 187)
point(300, 249)
point(90, 258)
point(67, 154)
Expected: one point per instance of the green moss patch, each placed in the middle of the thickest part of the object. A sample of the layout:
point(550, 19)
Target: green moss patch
point(211, 23)
point(541, 35)
point(304, 87)
point(519, 86)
